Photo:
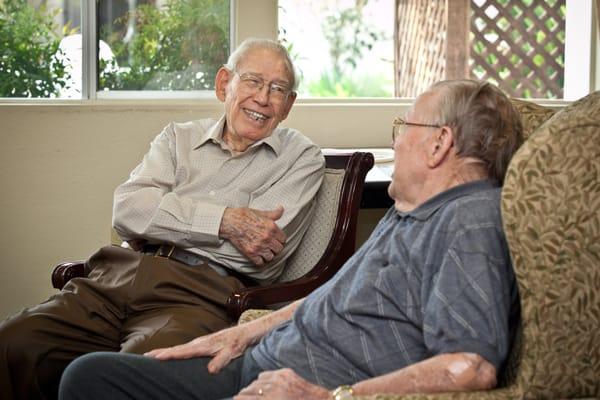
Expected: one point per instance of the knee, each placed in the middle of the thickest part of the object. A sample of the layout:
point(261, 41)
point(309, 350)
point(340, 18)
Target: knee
point(82, 380)
point(16, 333)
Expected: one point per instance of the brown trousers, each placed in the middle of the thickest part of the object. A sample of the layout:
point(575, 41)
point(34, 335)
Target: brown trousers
point(130, 302)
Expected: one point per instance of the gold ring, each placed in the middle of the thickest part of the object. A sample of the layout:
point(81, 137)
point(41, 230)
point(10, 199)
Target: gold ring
point(260, 392)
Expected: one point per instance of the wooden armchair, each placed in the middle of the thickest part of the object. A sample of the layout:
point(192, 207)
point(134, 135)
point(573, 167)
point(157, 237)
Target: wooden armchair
point(328, 243)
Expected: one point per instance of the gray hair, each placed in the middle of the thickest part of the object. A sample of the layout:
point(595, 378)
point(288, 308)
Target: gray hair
point(256, 43)
point(485, 123)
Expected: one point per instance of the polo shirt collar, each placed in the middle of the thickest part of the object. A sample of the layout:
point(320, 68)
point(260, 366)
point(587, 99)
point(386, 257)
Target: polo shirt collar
point(215, 134)
point(429, 207)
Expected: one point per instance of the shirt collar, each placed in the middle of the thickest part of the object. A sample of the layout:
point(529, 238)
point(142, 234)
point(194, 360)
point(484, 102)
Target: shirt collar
point(215, 135)
point(424, 211)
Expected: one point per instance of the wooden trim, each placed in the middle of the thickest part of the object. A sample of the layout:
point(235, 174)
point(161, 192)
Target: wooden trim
point(66, 271)
point(457, 38)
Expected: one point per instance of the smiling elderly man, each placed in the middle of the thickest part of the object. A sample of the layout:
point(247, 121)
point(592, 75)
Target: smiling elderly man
point(429, 303)
point(214, 204)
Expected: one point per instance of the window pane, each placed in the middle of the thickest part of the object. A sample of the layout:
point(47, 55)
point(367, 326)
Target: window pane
point(40, 48)
point(343, 48)
point(519, 46)
point(161, 44)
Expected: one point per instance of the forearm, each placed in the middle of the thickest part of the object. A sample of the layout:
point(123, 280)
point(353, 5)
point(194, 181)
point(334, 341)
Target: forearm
point(149, 213)
point(261, 326)
point(442, 373)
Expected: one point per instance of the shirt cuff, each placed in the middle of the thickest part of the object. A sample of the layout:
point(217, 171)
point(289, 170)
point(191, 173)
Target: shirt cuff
point(206, 222)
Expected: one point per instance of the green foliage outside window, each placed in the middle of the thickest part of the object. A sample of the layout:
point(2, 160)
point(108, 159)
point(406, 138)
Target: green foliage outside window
point(350, 85)
point(178, 47)
point(350, 37)
point(30, 61)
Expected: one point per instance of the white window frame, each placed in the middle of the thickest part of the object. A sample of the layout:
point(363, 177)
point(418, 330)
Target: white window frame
point(579, 67)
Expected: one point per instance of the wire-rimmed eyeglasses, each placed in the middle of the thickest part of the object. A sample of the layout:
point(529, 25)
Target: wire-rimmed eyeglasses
point(399, 126)
point(251, 83)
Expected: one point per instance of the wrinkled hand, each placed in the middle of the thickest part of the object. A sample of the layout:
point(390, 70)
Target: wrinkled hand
point(282, 384)
point(253, 232)
point(223, 346)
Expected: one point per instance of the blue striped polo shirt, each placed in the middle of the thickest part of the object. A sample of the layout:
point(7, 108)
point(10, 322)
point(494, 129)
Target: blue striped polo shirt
point(437, 279)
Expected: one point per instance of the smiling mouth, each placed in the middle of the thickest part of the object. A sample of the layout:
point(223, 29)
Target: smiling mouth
point(255, 115)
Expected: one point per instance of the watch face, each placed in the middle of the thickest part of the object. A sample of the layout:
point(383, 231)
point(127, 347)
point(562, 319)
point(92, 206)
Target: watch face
point(343, 393)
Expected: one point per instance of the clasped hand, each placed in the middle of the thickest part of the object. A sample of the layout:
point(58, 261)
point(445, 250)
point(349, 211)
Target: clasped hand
point(254, 232)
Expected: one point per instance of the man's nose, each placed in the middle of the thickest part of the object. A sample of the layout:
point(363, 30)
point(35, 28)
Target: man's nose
point(262, 95)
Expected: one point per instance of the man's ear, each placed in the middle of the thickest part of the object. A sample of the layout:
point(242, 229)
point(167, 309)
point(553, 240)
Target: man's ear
point(221, 81)
point(288, 105)
point(440, 146)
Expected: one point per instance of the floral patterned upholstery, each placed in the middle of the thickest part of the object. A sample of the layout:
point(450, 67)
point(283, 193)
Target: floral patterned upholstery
point(551, 212)
point(532, 115)
point(251, 314)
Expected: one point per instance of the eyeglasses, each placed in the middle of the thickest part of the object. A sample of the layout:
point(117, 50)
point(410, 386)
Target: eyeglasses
point(253, 84)
point(399, 126)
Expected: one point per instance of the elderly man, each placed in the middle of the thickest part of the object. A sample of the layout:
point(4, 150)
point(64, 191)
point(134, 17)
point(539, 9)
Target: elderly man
point(427, 304)
point(213, 206)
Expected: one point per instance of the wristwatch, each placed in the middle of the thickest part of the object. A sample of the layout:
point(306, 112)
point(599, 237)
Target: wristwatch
point(343, 392)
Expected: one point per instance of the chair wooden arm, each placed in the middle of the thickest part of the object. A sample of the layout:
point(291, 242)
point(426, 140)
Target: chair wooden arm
point(66, 271)
point(277, 293)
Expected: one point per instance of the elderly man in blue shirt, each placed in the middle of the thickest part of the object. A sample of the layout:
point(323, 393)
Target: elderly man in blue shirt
point(429, 303)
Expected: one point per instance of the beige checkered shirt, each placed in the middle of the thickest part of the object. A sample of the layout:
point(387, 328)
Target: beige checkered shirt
point(179, 191)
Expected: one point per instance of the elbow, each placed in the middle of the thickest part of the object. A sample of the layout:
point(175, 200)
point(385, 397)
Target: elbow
point(470, 372)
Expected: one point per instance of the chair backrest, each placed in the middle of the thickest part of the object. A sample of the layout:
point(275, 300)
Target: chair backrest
point(335, 216)
point(328, 242)
point(318, 235)
point(551, 215)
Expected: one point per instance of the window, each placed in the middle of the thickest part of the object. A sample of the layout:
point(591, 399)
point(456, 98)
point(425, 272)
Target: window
point(360, 48)
point(343, 48)
point(32, 61)
point(161, 45)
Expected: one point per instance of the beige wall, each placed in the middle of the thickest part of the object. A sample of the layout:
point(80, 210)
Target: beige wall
point(59, 165)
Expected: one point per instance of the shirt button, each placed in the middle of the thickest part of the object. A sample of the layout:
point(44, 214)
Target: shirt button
point(212, 192)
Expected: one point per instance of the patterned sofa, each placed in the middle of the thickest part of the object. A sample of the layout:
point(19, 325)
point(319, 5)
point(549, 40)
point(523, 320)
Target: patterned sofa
point(551, 211)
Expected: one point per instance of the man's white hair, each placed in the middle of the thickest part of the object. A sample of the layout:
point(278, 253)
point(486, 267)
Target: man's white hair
point(252, 43)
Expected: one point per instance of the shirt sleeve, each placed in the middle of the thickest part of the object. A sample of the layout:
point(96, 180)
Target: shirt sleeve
point(145, 206)
point(469, 306)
